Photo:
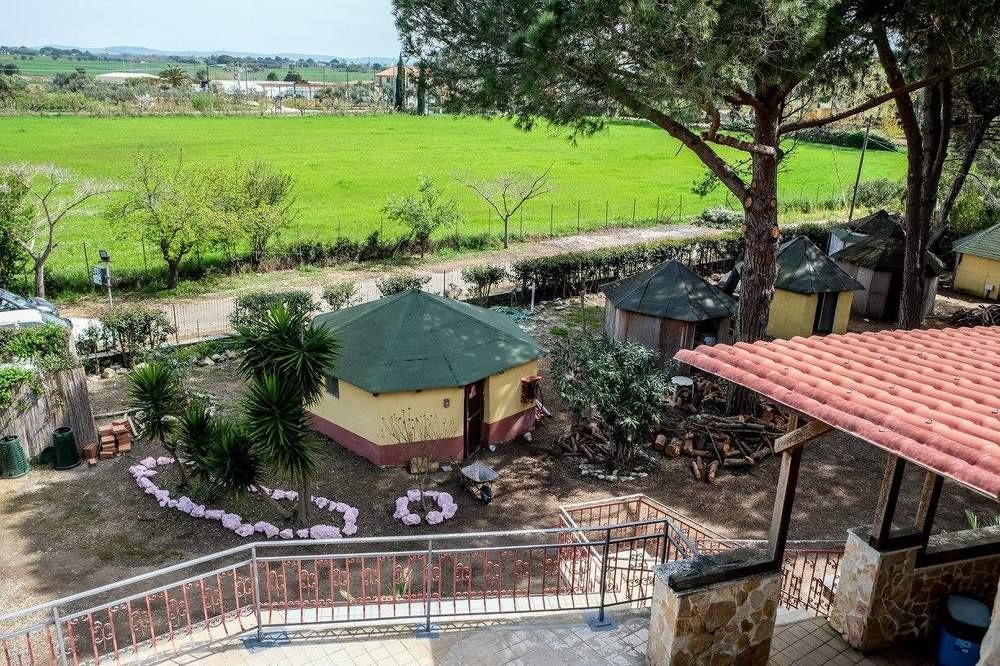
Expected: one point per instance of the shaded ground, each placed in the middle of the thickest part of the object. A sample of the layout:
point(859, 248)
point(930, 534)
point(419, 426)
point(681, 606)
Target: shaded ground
point(69, 531)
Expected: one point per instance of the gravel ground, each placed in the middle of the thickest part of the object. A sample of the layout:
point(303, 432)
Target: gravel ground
point(69, 531)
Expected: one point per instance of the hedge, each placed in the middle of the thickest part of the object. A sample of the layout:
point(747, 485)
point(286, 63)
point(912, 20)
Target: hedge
point(565, 274)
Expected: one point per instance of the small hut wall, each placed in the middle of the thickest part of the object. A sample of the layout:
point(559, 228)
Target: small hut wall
point(674, 336)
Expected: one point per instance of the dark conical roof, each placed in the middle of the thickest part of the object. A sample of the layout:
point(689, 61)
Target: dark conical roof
point(416, 340)
point(670, 291)
point(880, 220)
point(884, 250)
point(805, 269)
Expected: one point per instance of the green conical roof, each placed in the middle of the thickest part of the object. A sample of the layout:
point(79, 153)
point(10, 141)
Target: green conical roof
point(416, 340)
point(670, 291)
point(805, 269)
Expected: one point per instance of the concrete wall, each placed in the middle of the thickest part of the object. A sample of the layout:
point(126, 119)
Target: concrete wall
point(972, 274)
point(793, 314)
point(884, 598)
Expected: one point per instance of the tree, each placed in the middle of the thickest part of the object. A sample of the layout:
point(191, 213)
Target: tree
point(272, 76)
point(14, 215)
point(922, 41)
point(9, 69)
point(397, 283)
point(399, 97)
point(616, 384)
point(258, 202)
point(423, 212)
point(484, 277)
point(340, 295)
point(293, 76)
point(170, 205)
point(233, 464)
point(52, 196)
point(285, 359)
point(135, 328)
point(507, 194)
point(174, 76)
point(756, 64)
point(154, 390)
point(422, 88)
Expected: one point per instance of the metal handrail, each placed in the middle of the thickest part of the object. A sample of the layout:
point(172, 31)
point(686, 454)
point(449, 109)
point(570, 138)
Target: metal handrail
point(252, 547)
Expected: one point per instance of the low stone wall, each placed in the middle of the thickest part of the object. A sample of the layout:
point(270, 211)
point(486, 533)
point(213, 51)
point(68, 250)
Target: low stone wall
point(725, 623)
point(64, 402)
point(884, 598)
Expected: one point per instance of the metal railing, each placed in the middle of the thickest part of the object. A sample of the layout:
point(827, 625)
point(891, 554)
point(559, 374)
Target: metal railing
point(810, 570)
point(295, 583)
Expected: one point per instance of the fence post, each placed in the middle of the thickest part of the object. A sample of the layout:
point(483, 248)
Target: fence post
point(666, 539)
point(633, 212)
point(145, 266)
point(607, 205)
point(256, 591)
point(60, 645)
point(657, 209)
point(577, 216)
point(522, 224)
point(427, 584)
point(552, 212)
point(601, 621)
point(177, 330)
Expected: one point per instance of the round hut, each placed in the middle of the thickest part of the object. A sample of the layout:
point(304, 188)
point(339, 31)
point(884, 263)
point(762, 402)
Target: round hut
point(667, 308)
point(422, 376)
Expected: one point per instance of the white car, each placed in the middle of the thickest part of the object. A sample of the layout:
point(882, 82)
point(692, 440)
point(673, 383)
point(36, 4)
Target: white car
point(28, 319)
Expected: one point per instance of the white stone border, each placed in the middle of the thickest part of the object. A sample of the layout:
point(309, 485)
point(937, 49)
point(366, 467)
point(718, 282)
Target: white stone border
point(446, 505)
point(146, 469)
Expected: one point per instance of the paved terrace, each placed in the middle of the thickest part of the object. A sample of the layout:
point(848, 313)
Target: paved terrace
point(547, 640)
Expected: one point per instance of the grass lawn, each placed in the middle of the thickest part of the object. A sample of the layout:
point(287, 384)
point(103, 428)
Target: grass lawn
point(346, 167)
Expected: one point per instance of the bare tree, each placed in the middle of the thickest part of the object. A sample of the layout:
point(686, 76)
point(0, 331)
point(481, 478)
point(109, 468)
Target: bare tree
point(508, 192)
point(425, 432)
point(53, 195)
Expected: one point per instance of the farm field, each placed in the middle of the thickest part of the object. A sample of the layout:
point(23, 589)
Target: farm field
point(46, 66)
point(345, 168)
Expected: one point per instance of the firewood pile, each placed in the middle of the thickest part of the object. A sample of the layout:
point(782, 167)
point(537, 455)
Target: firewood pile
point(981, 315)
point(720, 442)
point(596, 456)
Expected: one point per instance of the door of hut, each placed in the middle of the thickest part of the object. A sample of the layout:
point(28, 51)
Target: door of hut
point(474, 416)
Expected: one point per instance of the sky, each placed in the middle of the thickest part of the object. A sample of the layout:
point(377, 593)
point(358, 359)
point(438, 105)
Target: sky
point(350, 28)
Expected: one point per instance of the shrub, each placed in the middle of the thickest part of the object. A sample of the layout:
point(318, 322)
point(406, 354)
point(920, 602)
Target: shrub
point(484, 277)
point(400, 282)
point(12, 378)
point(251, 307)
point(720, 218)
point(616, 384)
point(846, 138)
point(879, 193)
point(47, 347)
point(341, 295)
point(135, 329)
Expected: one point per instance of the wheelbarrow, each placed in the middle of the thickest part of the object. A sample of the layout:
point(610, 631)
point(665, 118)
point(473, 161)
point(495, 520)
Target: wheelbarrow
point(478, 478)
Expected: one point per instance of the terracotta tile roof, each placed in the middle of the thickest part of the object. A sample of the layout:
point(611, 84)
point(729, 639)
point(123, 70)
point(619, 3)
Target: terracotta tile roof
point(929, 396)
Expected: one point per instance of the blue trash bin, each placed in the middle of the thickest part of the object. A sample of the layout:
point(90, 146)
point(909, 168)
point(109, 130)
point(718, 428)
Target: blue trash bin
point(963, 627)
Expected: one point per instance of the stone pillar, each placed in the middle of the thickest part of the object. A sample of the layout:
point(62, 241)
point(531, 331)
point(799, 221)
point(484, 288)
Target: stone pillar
point(725, 623)
point(884, 598)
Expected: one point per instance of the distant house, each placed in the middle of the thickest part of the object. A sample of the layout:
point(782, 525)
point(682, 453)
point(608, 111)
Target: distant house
point(812, 295)
point(126, 77)
point(667, 308)
point(858, 230)
point(977, 263)
point(386, 79)
point(876, 261)
point(423, 375)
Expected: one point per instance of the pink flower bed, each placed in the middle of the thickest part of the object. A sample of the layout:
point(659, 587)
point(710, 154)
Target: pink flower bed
point(446, 507)
point(144, 472)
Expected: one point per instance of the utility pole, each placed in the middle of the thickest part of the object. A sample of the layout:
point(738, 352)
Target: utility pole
point(861, 163)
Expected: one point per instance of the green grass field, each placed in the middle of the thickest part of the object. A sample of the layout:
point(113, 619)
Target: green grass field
point(346, 167)
point(46, 66)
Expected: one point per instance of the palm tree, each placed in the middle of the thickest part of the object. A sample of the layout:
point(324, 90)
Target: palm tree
point(278, 424)
point(175, 76)
point(233, 464)
point(153, 389)
point(285, 359)
point(196, 434)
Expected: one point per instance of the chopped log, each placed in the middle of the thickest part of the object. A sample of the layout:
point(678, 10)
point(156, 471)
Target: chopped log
point(697, 469)
point(737, 462)
point(660, 442)
point(713, 467)
point(672, 450)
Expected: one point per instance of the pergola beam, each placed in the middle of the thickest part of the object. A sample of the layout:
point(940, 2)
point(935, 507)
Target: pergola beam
point(800, 436)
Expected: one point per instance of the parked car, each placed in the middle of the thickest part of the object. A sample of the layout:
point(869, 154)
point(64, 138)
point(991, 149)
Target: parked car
point(11, 301)
point(28, 318)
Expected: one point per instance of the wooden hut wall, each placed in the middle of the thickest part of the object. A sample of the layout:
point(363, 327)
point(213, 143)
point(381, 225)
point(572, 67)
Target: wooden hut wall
point(674, 336)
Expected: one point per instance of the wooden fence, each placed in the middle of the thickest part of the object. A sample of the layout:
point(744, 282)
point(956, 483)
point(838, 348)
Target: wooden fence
point(64, 402)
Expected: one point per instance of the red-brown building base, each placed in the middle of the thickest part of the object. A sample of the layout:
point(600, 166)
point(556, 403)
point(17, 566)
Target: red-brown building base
point(451, 448)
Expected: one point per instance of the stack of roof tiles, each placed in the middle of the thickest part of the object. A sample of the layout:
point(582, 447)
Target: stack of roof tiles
point(929, 396)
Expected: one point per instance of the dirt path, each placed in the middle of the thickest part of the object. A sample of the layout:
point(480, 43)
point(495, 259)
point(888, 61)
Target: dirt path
point(209, 314)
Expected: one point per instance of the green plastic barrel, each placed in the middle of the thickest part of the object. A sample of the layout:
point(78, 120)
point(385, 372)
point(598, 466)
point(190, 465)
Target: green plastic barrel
point(13, 462)
point(67, 455)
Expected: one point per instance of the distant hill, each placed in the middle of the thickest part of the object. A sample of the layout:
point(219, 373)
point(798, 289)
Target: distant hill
point(144, 51)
